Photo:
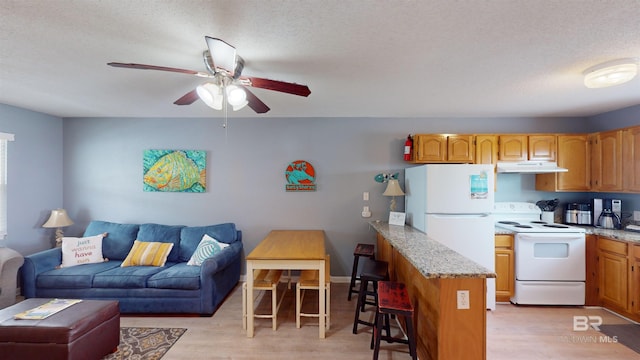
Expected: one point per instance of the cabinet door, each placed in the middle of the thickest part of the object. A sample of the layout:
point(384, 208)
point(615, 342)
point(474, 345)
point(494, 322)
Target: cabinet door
point(613, 280)
point(486, 149)
point(460, 148)
point(607, 161)
point(505, 268)
point(634, 278)
point(513, 147)
point(631, 159)
point(430, 148)
point(573, 154)
point(384, 252)
point(591, 283)
point(542, 147)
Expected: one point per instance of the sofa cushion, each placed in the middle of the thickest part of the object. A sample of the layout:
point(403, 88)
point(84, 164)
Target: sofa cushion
point(179, 276)
point(80, 251)
point(162, 233)
point(119, 238)
point(148, 254)
point(207, 248)
point(127, 277)
point(191, 236)
point(74, 277)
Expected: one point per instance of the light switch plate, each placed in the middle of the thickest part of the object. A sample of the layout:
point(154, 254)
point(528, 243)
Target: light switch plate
point(636, 215)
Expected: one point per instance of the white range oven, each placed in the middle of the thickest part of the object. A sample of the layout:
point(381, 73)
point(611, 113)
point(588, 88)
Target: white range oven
point(549, 258)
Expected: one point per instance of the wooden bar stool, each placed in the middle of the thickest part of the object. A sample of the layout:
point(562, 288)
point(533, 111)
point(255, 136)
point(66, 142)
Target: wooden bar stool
point(366, 250)
point(372, 271)
point(393, 299)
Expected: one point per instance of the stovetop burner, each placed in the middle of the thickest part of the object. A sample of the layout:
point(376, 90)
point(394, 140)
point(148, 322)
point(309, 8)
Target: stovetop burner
point(509, 222)
point(523, 226)
point(557, 226)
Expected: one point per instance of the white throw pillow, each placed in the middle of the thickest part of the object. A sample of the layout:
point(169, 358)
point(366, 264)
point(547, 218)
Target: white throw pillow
point(207, 247)
point(85, 250)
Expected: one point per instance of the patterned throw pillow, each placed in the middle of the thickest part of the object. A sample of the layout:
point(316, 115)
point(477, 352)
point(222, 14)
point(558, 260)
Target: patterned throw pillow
point(84, 250)
point(147, 254)
point(207, 247)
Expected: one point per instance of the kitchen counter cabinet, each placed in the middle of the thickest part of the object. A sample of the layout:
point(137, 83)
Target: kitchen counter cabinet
point(606, 156)
point(433, 275)
point(591, 281)
point(631, 159)
point(573, 154)
point(634, 278)
point(612, 274)
point(505, 268)
point(542, 147)
point(486, 149)
point(441, 148)
point(513, 148)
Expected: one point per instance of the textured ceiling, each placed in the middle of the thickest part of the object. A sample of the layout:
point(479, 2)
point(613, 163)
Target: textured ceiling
point(360, 58)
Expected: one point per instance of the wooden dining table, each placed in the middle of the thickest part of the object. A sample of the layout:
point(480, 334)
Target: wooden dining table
point(288, 250)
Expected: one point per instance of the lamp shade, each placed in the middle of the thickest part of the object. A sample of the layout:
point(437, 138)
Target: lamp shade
point(393, 189)
point(57, 219)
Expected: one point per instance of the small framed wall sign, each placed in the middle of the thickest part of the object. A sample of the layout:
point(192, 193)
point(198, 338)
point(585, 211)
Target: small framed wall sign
point(396, 218)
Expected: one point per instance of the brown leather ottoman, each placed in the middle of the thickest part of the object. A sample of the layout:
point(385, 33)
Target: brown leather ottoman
point(87, 330)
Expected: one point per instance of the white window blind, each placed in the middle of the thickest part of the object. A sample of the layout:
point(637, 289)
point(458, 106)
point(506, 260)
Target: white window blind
point(4, 138)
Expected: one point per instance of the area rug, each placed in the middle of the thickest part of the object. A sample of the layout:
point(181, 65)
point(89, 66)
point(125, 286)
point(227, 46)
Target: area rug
point(145, 343)
point(626, 334)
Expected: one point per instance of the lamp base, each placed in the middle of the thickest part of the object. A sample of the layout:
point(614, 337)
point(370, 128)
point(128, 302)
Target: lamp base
point(59, 236)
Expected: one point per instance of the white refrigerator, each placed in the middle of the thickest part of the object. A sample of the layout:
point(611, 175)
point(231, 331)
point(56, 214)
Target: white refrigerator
point(453, 204)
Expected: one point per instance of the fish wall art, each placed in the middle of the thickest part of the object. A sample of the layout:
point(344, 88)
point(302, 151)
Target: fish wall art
point(174, 170)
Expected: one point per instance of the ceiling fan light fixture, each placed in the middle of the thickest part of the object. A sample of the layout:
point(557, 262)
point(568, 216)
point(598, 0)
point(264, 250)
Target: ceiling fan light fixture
point(610, 73)
point(236, 95)
point(210, 94)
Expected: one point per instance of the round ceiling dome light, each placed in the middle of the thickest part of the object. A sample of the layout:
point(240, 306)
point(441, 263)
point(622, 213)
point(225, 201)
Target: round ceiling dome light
point(610, 73)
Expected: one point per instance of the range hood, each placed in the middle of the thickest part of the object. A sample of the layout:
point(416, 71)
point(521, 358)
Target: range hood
point(529, 167)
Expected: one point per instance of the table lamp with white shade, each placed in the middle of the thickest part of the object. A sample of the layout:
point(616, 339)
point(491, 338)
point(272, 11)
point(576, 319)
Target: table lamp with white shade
point(393, 190)
point(58, 219)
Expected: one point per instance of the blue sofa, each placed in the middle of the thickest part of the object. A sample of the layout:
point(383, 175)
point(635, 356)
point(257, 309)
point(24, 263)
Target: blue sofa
point(173, 288)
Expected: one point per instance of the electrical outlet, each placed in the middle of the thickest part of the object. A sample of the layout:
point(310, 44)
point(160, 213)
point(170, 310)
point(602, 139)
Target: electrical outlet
point(365, 196)
point(636, 215)
point(463, 299)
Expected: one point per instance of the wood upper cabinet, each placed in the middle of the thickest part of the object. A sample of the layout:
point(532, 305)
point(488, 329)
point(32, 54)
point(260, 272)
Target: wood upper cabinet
point(542, 147)
point(606, 156)
point(573, 154)
point(486, 149)
point(435, 148)
point(612, 274)
point(631, 159)
point(505, 268)
point(513, 147)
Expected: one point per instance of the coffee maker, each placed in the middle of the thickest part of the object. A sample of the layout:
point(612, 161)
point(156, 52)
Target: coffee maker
point(609, 216)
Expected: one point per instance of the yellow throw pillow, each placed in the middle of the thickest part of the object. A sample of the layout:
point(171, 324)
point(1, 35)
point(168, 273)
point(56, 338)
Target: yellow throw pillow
point(147, 254)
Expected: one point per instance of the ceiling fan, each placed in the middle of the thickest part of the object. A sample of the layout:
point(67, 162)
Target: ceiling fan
point(224, 69)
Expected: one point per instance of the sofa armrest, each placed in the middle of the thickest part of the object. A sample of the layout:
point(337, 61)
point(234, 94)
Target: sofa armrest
point(221, 260)
point(34, 265)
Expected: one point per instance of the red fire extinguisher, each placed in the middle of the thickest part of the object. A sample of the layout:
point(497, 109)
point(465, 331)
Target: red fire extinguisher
point(408, 147)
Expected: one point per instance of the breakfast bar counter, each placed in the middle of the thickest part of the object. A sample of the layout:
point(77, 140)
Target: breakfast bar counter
point(447, 290)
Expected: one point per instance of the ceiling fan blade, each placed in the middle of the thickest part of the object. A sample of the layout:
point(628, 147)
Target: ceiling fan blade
point(223, 55)
point(286, 87)
point(161, 68)
point(256, 104)
point(188, 98)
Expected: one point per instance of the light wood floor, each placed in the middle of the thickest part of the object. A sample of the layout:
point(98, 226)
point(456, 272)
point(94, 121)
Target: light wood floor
point(513, 332)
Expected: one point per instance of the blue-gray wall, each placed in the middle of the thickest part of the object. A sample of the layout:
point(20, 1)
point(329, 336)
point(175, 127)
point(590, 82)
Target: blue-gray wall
point(35, 176)
point(246, 162)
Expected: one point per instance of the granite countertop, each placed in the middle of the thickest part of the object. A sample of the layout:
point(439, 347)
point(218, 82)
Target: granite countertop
point(431, 258)
point(623, 235)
